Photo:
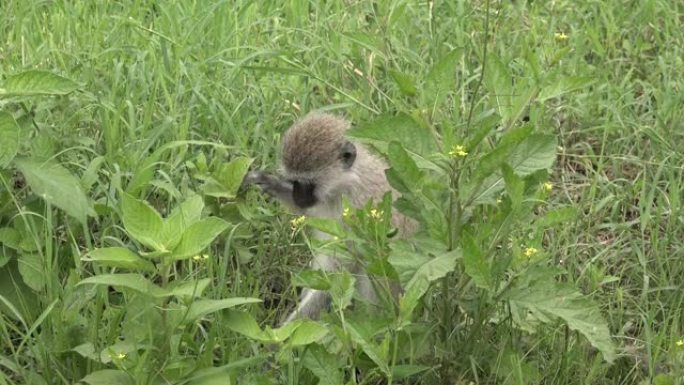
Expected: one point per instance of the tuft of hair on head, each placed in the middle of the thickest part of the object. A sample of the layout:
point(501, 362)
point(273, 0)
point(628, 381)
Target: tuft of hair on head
point(311, 144)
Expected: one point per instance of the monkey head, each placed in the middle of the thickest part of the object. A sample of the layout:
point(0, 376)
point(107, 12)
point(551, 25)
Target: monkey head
point(318, 160)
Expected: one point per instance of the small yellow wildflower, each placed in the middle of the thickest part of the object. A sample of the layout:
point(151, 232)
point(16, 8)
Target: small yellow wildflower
point(297, 223)
point(458, 150)
point(498, 201)
point(680, 343)
point(346, 212)
point(560, 148)
point(547, 186)
point(197, 257)
point(120, 356)
point(530, 251)
point(560, 36)
point(376, 214)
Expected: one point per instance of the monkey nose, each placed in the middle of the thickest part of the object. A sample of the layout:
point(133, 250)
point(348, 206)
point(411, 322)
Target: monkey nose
point(303, 194)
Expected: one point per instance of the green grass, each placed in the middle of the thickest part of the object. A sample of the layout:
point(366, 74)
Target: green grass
point(224, 79)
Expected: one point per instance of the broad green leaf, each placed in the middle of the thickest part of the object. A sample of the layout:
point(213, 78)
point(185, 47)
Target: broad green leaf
point(476, 265)
point(406, 84)
point(182, 217)
point(324, 365)
point(368, 346)
point(407, 177)
point(400, 372)
point(441, 79)
point(402, 128)
point(36, 83)
point(553, 217)
point(493, 160)
point(119, 257)
point(547, 297)
point(228, 179)
point(562, 85)
point(243, 323)
point(420, 282)
point(198, 236)
point(315, 279)
point(515, 186)
point(9, 138)
point(536, 152)
point(307, 333)
point(142, 222)
point(131, 281)
point(57, 186)
point(202, 307)
point(341, 289)
point(193, 288)
point(499, 83)
point(108, 377)
point(32, 271)
point(328, 226)
point(10, 237)
point(221, 375)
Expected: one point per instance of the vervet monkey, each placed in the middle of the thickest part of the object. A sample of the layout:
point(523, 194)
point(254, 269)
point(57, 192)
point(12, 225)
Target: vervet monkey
point(319, 166)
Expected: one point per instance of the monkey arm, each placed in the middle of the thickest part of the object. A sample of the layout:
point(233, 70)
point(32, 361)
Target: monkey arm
point(271, 185)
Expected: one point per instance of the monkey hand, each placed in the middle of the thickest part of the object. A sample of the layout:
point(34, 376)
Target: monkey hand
point(269, 184)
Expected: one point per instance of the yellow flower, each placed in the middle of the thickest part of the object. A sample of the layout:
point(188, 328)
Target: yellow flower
point(458, 150)
point(680, 343)
point(547, 186)
point(197, 257)
point(530, 251)
point(297, 223)
point(346, 212)
point(560, 36)
point(120, 356)
point(376, 214)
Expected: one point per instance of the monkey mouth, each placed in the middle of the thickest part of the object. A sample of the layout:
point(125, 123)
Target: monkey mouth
point(303, 194)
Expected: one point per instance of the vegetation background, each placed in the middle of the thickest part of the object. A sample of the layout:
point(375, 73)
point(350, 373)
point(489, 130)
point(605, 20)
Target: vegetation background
point(163, 95)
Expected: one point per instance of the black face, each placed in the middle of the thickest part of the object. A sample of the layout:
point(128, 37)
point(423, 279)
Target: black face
point(303, 194)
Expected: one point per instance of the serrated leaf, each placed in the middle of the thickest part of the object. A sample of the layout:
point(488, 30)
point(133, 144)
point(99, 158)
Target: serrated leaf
point(221, 375)
point(400, 372)
point(536, 152)
point(324, 365)
point(228, 179)
point(131, 281)
point(307, 333)
point(203, 307)
point(9, 138)
point(562, 85)
point(406, 84)
point(36, 82)
point(368, 347)
point(57, 186)
point(182, 217)
point(341, 289)
point(193, 288)
point(142, 222)
point(403, 168)
point(119, 257)
point(441, 79)
point(31, 270)
point(553, 217)
point(198, 236)
point(476, 265)
point(515, 186)
point(243, 323)
point(108, 377)
point(435, 269)
point(547, 297)
point(401, 128)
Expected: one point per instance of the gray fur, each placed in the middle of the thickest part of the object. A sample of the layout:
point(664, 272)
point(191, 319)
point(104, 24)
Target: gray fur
point(311, 151)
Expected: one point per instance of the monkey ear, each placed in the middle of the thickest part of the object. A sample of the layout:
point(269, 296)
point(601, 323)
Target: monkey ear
point(348, 154)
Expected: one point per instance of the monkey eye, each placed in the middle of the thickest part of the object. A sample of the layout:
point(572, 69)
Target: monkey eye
point(348, 154)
